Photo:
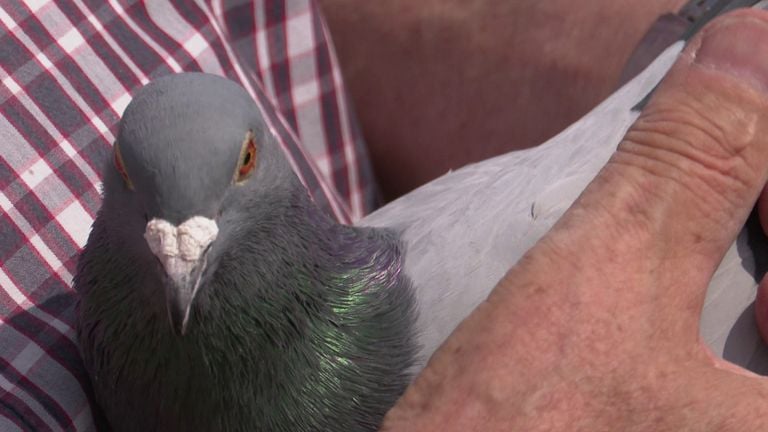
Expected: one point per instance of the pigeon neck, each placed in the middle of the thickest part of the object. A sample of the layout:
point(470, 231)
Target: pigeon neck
point(334, 321)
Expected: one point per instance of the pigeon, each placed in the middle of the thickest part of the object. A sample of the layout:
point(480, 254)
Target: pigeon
point(214, 295)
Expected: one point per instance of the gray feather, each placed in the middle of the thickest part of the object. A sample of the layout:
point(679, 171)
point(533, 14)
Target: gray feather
point(464, 230)
point(301, 324)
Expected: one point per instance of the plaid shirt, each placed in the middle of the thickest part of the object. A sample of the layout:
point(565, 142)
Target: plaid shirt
point(68, 71)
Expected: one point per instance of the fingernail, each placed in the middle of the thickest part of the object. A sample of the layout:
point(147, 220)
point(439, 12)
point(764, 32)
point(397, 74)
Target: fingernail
point(738, 47)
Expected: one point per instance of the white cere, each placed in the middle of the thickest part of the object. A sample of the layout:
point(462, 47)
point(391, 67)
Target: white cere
point(179, 248)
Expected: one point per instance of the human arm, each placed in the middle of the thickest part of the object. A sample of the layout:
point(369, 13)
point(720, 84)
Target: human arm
point(610, 340)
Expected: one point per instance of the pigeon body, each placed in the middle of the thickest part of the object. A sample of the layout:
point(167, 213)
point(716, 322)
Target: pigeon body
point(463, 231)
point(300, 323)
point(295, 322)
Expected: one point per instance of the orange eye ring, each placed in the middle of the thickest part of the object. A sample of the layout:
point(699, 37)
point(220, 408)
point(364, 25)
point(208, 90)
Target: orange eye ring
point(120, 166)
point(247, 158)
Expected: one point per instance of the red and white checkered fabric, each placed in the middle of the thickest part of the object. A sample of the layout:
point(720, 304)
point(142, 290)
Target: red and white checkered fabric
point(68, 70)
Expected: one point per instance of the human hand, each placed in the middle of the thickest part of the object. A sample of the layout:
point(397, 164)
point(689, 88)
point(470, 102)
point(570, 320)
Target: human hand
point(597, 327)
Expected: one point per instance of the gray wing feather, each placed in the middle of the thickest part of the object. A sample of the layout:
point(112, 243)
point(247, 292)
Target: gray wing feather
point(464, 230)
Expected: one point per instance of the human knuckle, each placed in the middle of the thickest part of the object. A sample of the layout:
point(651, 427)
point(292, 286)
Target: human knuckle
point(697, 139)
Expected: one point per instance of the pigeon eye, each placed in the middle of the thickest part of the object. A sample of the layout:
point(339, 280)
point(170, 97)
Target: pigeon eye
point(247, 158)
point(120, 166)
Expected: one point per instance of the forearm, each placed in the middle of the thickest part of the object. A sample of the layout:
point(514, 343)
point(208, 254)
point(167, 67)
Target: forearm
point(438, 84)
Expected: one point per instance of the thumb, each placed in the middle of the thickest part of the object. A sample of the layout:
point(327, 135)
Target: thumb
point(681, 184)
point(701, 142)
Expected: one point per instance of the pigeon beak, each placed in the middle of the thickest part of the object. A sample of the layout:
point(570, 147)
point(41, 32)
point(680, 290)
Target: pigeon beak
point(179, 293)
point(182, 251)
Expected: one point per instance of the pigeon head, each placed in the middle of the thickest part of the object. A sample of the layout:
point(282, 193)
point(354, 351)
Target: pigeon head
point(191, 154)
